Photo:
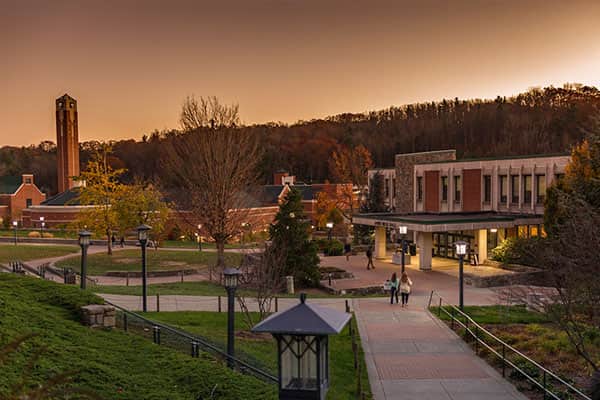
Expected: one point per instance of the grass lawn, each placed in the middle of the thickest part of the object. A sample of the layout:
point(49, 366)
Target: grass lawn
point(186, 244)
point(26, 252)
point(162, 260)
point(263, 348)
point(112, 364)
point(534, 335)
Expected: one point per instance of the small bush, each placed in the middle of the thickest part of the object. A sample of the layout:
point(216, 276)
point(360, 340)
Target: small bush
point(517, 251)
point(334, 248)
point(33, 234)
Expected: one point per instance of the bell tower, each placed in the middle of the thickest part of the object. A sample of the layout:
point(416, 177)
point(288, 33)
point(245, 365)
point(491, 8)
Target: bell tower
point(67, 142)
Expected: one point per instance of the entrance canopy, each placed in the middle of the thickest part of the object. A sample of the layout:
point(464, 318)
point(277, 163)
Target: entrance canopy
point(428, 222)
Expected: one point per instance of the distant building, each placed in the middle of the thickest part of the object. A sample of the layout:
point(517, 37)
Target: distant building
point(389, 185)
point(442, 200)
point(16, 194)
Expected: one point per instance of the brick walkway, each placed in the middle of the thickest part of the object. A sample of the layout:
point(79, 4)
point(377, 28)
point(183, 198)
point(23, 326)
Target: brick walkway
point(411, 355)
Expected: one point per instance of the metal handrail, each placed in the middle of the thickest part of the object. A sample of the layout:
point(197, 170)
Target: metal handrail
point(479, 328)
point(263, 374)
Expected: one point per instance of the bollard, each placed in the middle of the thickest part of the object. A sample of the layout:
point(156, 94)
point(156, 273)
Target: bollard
point(276, 304)
point(219, 299)
point(182, 276)
point(157, 302)
point(125, 324)
point(127, 279)
point(329, 276)
point(347, 306)
point(156, 334)
point(195, 352)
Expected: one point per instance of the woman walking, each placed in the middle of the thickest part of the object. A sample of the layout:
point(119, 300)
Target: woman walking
point(394, 288)
point(405, 285)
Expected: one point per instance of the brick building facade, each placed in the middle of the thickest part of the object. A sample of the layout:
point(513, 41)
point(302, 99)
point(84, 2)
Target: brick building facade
point(16, 194)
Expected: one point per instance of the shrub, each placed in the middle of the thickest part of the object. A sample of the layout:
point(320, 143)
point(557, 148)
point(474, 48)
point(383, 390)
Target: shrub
point(517, 251)
point(334, 248)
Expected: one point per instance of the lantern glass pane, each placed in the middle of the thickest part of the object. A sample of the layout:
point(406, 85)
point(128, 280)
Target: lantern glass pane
point(230, 281)
point(402, 230)
point(142, 234)
point(324, 361)
point(299, 363)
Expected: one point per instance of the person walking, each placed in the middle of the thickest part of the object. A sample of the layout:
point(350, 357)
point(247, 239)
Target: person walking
point(394, 283)
point(405, 286)
point(370, 264)
point(122, 241)
point(347, 249)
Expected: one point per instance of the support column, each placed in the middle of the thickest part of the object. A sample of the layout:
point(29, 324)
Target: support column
point(482, 245)
point(425, 242)
point(379, 242)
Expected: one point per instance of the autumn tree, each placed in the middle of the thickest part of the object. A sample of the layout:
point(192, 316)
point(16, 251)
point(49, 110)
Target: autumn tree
point(100, 192)
point(211, 171)
point(351, 165)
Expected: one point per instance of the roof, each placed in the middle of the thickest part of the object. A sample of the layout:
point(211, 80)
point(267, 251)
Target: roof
point(304, 319)
point(521, 157)
point(270, 194)
point(67, 198)
point(9, 184)
point(439, 222)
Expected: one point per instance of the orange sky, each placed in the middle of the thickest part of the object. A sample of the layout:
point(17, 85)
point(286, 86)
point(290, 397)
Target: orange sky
point(131, 63)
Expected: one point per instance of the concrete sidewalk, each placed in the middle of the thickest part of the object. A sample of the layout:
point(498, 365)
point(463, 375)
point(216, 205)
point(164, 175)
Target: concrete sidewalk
point(412, 355)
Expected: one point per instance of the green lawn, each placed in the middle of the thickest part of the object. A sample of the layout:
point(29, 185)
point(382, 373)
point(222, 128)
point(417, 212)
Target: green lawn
point(57, 233)
point(186, 244)
point(26, 252)
point(263, 348)
point(485, 315)
point(113, 364)
point(161, 260)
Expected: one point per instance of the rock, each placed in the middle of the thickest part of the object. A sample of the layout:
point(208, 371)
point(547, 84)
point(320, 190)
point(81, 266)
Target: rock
point(98, 315)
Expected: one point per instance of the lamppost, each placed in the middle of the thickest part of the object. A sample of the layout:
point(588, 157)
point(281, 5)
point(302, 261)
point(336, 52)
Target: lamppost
point(199, 237)
point(302, 334)
point(329, 226)
point(230, 281)
point(142, 232)
point(15, 225)
point(461, 250)
point(402, 231)
point(84, 242)
point(42, 223)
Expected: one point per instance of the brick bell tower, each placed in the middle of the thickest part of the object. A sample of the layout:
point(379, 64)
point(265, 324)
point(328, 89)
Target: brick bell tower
point(67, 142)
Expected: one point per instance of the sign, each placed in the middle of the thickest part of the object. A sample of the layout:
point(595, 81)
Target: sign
point(387, 285)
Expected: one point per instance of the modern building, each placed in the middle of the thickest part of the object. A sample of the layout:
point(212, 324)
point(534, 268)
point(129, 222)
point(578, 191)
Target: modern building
point(16, 195)
point(483, 201)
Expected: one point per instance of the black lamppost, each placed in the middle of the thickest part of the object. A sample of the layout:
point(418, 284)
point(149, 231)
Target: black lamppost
point(15, 225)
point(84, 242)
point(302, 333)
point(329, 226)
point(199, 237)
point(402, 231)
point(461, 250)
point(230, 281)
point(42, 223)
point(142, 231)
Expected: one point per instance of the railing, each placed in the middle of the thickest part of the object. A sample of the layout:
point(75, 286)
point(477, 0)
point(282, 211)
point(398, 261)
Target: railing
point(551, 385)
point(162, 334)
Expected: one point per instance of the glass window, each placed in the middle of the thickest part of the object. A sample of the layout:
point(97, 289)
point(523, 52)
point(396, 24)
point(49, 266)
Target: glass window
point(540, 188)
point(27, 180)
point(299, 362)
point(503, 183)
point(387, 188)
point(527, 189)
point(419, 188)
point(444, 188)
point(534, 230)
point(523, 231)
point(487, 188)
point(514, 191)
point(28, 203)
point(457, 189)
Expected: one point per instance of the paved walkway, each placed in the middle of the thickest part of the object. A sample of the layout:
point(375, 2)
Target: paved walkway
point(411, 355)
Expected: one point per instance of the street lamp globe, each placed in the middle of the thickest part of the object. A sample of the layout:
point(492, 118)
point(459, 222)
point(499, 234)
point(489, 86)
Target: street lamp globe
point(329, 225)
point(84, 238)
point(231, 277)
point(402, 230)
point(15, 223)
point(461, 247)
point(142, 232)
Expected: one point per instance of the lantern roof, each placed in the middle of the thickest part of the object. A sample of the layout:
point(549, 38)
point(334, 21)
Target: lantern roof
point(305, 319)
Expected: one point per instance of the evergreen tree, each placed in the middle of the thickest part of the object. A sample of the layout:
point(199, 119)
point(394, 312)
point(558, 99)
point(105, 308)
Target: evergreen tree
point(289, 233)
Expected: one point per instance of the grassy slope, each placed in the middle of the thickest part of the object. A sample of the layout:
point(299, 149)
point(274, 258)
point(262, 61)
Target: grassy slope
point(497, 315)
point(130, 260)
point(214, 326)
point(10, 252)
point(114, 364)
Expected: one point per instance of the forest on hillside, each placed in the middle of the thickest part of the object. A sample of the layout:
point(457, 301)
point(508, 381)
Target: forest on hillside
point(548, 120)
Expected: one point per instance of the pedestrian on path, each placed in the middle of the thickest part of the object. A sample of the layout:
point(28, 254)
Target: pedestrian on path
point(394, 283)
point(122, 241)
point(370, 264)
point(347, 249)
point(405, 286)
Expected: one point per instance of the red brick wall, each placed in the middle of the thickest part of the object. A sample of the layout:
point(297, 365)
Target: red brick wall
point(18, 202)
point(471, 190)
point(432, 191)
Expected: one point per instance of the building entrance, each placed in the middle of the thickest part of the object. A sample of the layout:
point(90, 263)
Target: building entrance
point(443, 243)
